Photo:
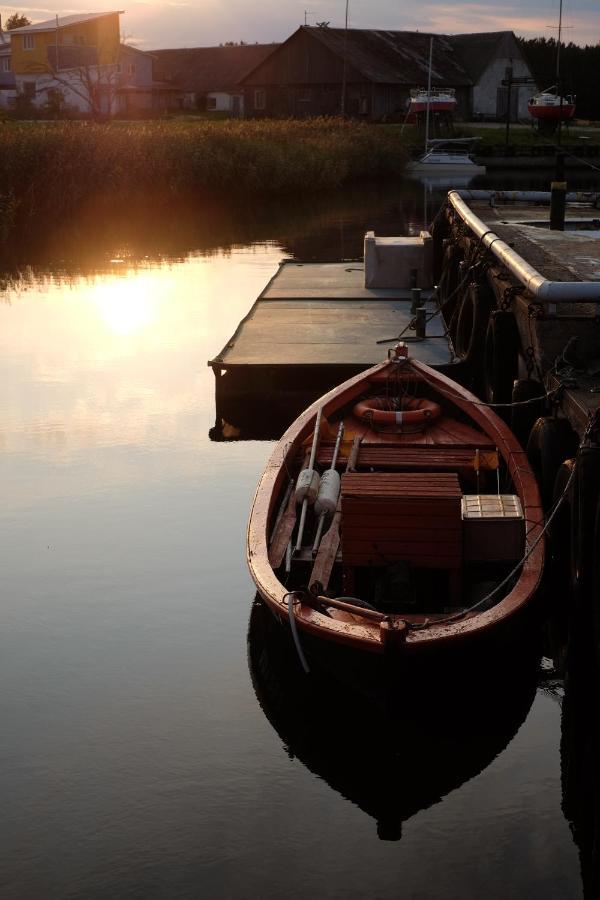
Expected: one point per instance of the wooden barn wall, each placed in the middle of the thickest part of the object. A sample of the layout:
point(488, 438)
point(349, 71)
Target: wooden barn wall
point(364, 100)
point(302, 101)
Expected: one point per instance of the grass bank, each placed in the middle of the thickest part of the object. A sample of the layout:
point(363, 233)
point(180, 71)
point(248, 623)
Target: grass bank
point(52, 168)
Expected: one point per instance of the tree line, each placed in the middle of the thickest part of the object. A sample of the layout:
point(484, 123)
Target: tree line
point(577, 65)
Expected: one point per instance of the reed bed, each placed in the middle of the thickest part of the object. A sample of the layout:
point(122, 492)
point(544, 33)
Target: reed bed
point(52, 168)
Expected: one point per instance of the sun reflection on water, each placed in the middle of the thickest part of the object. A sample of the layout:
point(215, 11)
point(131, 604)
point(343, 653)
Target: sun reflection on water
point(107, 374)
point(127, 305)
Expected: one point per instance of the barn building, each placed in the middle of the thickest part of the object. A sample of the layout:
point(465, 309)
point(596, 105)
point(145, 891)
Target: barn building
point(208, 78)
point(369, 73)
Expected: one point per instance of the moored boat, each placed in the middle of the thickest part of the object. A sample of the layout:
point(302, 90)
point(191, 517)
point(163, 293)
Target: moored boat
point(398, 512)
point(446, 157)
point(549, 106)
point(438, 100)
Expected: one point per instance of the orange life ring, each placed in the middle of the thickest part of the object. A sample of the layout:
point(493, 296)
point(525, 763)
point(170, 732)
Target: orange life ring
point(416, 412)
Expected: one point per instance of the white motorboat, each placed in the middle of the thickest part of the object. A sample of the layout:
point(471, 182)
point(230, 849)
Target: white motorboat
point(447, 157)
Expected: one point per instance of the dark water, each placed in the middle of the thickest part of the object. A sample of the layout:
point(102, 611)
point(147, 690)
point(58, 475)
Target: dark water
point(145, 751)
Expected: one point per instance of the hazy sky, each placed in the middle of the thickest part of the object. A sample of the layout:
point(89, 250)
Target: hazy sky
point(202, 23)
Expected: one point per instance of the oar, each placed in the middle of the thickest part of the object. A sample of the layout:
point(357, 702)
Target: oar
point(311, 466)
point(323, 515)
point(283, 533)
point(282, 508)
point(321, 571)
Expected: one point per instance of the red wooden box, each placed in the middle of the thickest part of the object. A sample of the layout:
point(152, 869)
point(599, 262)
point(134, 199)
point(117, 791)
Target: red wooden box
point(415, 517)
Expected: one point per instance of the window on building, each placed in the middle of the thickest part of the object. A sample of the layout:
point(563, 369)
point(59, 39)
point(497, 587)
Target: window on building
point(6, 64)
point(305, 96)
point(211, 103)
point(28, 89)
point(119, 68)
point(28, 42)
point(131, 69)
point(260, 100)
point(363, 106)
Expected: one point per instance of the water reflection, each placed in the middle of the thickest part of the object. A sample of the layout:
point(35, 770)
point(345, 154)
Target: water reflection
point(577, 686)
point(391, 751)
point(134, 755)
point(109, 369)
point(111, 233)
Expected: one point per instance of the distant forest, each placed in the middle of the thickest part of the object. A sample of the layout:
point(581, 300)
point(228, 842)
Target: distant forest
point(577, 67)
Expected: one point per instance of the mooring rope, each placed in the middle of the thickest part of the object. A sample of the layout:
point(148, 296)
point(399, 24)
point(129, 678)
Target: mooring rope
point(291, 596)
point(549, 519)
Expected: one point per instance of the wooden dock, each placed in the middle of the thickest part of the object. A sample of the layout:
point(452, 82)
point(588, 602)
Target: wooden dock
point(313, 326)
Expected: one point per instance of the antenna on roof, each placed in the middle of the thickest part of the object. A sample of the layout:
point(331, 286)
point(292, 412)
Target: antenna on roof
point(56, 61)
point(307, 13)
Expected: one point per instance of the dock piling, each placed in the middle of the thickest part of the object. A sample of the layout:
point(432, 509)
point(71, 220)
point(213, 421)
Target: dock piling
point(558, 196)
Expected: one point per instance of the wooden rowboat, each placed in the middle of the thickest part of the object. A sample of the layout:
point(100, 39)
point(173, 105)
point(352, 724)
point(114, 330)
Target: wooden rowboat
point(436, 535)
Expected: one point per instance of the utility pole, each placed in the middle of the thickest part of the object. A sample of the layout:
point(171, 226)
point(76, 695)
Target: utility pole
point(508, 77)
point(343, 104)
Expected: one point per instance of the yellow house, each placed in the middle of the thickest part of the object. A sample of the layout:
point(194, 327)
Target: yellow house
point(74, 57)
point(38, 48)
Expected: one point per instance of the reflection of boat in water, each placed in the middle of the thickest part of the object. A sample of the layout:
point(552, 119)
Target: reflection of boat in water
point(390, 761)
point(442, 181)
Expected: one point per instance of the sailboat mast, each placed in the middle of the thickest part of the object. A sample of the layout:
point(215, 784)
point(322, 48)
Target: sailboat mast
point(558, 46)
point(429, 92)
point(558, 84)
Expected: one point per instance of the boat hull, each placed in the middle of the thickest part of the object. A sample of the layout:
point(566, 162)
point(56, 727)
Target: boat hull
point(420, 106)
point(552, 113)
point(364, 634)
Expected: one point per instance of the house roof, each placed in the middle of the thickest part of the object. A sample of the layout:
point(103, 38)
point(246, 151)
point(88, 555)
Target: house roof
point(64, 22)
point(203, 69)
point(392, 57)
point(477, 50)
point(129, 48)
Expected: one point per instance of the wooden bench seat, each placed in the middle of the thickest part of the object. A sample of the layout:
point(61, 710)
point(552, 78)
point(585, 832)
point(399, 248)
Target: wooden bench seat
point(411, 459)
